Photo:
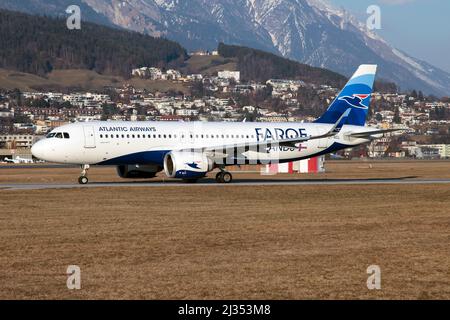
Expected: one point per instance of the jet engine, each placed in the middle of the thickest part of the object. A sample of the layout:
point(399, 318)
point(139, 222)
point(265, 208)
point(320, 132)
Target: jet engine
point(187, 165)
point(137, 171)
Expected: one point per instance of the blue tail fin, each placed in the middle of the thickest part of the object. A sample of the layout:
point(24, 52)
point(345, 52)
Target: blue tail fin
point(355, 95)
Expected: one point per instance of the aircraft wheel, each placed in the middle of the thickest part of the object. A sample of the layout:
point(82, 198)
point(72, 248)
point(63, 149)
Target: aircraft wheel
point(219, 177)
point(226, 177)
point(83, 180)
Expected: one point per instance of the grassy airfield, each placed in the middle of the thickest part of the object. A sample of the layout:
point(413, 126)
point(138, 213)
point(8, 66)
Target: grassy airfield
point(229, 242)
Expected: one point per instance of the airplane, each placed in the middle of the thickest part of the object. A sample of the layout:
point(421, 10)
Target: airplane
point(18, 160)
point(189, 150)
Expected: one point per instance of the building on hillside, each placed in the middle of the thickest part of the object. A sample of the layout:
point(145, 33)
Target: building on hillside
point(226, 74)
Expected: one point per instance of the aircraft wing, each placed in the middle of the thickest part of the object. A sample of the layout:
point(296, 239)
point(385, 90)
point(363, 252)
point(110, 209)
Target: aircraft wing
point(224, 150)
point(368, 134)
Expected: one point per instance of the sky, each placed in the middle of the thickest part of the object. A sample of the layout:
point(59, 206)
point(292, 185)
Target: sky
point(421, 28)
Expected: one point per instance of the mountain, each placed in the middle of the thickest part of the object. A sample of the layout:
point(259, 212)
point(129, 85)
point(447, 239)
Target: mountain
point(37, 45)
point(55, 8)
point(97, 56)
point(309, 31)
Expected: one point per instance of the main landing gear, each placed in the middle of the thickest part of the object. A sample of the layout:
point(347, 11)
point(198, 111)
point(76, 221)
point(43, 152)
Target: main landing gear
point(83, 179)
point(224, 177)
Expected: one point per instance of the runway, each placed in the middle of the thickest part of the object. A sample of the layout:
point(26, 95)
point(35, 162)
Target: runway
point(212, 183)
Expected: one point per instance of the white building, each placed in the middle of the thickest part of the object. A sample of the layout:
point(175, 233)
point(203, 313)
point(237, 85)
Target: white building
point(187, 112)
point(195, 77)
point(147, 73)
point(173, 74)
point(17, 141)
point(236, 75)
point(444, 149)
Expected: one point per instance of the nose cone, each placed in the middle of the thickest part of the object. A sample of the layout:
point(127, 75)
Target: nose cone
point(38, 150)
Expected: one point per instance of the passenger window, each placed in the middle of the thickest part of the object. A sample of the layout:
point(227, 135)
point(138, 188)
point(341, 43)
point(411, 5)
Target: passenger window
point(117, 136)
point(165, 136)
point(66, 135)
point(123, 136)
point(59, 135)
point(128, 136)
point(106, 136)
point(138, 135)
point(170, 136)
point(101, 136)
point(132, 136)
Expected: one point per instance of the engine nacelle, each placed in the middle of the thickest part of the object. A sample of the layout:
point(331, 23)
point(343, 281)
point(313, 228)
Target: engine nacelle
point(187, 165)
point(137, 171)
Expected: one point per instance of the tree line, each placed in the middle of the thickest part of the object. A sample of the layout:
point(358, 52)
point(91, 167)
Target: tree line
point(36, 44)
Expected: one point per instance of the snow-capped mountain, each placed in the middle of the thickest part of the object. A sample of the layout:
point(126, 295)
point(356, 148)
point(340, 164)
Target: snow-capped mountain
point(310, 31)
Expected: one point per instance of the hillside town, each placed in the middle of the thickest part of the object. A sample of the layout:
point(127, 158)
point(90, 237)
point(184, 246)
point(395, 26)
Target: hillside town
point(26, 117)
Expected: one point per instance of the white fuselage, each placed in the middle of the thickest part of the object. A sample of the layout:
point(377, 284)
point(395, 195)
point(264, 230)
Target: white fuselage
point(147, 142)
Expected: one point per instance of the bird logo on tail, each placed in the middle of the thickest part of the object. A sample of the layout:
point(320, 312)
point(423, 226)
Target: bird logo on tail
point(356, 100)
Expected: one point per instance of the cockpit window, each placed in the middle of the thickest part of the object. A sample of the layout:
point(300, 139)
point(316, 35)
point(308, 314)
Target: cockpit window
point(66, 135)
point(59, 135)
point(51, 135)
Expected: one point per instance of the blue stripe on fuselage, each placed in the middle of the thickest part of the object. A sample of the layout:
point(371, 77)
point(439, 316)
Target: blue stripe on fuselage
point(144, 157)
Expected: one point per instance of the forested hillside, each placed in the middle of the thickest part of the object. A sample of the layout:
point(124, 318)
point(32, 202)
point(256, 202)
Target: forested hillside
point(261, 66)
point(38, 45)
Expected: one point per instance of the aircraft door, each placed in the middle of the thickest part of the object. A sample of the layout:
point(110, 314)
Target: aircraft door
point(89, 136)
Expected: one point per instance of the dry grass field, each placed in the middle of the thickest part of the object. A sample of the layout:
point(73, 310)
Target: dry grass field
point(232, 242)
point(85, 79)
point(91, 80)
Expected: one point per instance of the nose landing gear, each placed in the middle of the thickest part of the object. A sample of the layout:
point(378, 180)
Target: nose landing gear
point(83, 179)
